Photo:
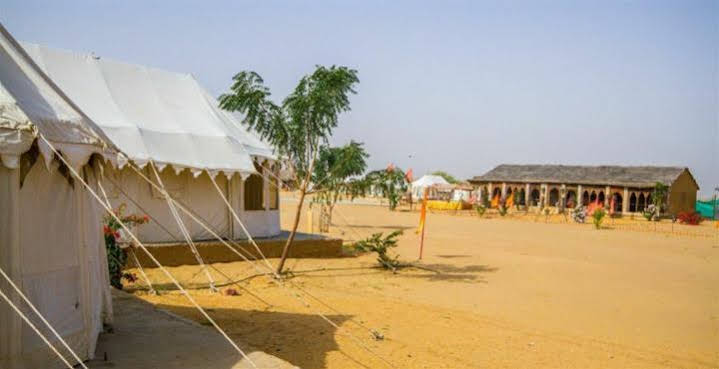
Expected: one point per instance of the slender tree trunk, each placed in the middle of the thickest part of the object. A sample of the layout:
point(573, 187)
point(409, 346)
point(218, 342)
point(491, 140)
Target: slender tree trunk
point(298, 213)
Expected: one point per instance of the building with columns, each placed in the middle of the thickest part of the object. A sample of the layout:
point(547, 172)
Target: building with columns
point(627, 189)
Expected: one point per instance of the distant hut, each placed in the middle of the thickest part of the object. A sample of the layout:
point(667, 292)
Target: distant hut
point(627, 189)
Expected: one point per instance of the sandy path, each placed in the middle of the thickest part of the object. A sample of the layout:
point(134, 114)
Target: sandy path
point(511, 294)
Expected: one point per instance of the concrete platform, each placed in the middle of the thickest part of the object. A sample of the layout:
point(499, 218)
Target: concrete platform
point(306, 245)
point(150, 338)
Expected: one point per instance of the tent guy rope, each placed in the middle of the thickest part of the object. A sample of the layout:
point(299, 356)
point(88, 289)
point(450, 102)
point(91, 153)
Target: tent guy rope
point(34, 328)
point(42, 318)
point(142, 246)
point(229, 279)
point(279, 282)
point(183, 228)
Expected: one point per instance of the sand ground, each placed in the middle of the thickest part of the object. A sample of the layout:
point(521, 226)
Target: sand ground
point(505, 294)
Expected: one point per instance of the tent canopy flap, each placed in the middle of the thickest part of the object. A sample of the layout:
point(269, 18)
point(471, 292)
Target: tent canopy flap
point(152, 114)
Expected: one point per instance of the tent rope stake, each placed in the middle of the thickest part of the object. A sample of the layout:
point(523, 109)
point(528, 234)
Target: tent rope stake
point(149, 254)
point(42, 318)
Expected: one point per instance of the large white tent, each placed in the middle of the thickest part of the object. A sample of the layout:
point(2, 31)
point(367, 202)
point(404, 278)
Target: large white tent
point(428, 180)
point(169, 119)
point(51, 243)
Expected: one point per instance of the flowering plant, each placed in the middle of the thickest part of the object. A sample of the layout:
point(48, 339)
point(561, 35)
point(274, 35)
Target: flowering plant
point(116, 256)
point(690, 217)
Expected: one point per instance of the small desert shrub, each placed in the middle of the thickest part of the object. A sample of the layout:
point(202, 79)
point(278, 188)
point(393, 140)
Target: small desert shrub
point(651, 213)
point(598, 217)
point(380, 245)
point(480, 209)
point(689, 217)
point(502, 210)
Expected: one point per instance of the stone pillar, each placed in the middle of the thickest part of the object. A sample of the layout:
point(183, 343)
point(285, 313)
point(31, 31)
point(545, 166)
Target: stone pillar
point(580, 195)
point(563, 196)
point(489, 192)
point(543, 193)
point(504, 190)
point(607, 197)
point(527, 195)
point(625, 200)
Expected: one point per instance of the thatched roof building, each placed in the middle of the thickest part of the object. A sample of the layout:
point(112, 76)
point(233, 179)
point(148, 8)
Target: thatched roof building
point(627, 187)
point(608, 175)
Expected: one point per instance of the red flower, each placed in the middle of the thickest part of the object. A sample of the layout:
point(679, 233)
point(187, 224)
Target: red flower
point(145, 218)
point(107, 230)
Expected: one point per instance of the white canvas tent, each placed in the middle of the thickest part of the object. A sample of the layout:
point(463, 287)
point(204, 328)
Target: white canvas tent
point(169, 119)
point(51, 242)
point(427, 180)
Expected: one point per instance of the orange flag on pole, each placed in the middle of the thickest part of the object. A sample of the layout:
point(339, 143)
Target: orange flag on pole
point(423, 212)
point(422, 218)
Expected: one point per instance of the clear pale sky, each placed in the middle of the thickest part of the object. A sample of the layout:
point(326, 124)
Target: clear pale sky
point(457, 86)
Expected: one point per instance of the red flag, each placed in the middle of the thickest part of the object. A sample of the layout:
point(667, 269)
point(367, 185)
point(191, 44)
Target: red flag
point(390, 167)
point(409, 175)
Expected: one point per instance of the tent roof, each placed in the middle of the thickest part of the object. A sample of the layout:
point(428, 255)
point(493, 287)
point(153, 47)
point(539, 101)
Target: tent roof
point(30, 103)
point(429, 180)
point(640, 176)
point(153, 114)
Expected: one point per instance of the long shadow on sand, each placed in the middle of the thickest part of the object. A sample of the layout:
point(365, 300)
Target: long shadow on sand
point(300, 339)
point(452, 273)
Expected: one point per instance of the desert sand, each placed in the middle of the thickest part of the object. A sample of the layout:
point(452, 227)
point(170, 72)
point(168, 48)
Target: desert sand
point(496, 293)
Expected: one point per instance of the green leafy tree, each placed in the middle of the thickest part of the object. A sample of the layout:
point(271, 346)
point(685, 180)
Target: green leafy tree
point(335, 176)
point(659, 197)
point(447, 177)
point(300, 126)
point(391, 182)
